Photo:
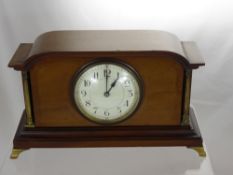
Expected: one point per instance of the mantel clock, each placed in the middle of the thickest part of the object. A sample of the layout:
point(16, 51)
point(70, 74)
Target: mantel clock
point(107, 89)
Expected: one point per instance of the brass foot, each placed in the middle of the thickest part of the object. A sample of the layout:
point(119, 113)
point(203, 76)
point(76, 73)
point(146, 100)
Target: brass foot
point(15, 153)
point(200, 150)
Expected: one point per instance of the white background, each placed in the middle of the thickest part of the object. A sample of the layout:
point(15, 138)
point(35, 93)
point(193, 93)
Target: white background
point(208, 23)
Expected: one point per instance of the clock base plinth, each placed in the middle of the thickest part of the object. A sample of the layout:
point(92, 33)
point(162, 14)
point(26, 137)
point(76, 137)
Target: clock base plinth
point(106, 136)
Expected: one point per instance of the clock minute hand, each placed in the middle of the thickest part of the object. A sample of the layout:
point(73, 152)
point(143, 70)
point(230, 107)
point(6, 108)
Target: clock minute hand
point(106, 79)
point(106, 94)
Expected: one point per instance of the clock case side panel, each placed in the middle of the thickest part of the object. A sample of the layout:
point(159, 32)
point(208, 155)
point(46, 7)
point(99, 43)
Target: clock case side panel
point(19, 57)
point(192, 54)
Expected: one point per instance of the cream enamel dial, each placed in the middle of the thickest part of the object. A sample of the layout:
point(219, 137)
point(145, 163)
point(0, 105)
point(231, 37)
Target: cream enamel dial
point(107, 92)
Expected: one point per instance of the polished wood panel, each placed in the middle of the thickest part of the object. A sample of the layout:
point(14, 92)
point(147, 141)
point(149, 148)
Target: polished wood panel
point(51, 84)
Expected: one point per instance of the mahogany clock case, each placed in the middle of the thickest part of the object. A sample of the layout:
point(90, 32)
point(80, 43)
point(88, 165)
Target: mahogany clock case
point(162, 63)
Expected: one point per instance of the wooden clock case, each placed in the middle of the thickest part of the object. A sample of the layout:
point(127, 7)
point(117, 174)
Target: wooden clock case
point(164, 64)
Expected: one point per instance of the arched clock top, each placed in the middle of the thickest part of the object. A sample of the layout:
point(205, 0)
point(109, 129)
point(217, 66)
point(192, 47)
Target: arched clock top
point(107, 41)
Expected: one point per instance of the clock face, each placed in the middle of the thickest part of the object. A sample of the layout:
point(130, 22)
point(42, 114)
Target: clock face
point(107, 92)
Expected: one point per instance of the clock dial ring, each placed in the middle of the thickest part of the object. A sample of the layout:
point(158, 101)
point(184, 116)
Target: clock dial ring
point(109, 91)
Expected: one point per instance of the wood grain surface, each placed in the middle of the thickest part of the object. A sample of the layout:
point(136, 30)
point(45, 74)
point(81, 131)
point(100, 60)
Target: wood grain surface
point(51, 84)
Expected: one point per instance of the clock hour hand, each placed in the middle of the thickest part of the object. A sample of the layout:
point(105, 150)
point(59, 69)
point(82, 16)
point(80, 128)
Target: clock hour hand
point(107, 93)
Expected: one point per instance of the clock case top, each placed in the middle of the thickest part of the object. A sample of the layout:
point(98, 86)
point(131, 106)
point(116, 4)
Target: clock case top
point(104, 41)
point(101, 43)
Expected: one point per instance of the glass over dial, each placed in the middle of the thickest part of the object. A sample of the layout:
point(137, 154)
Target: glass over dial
point(107, 92)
